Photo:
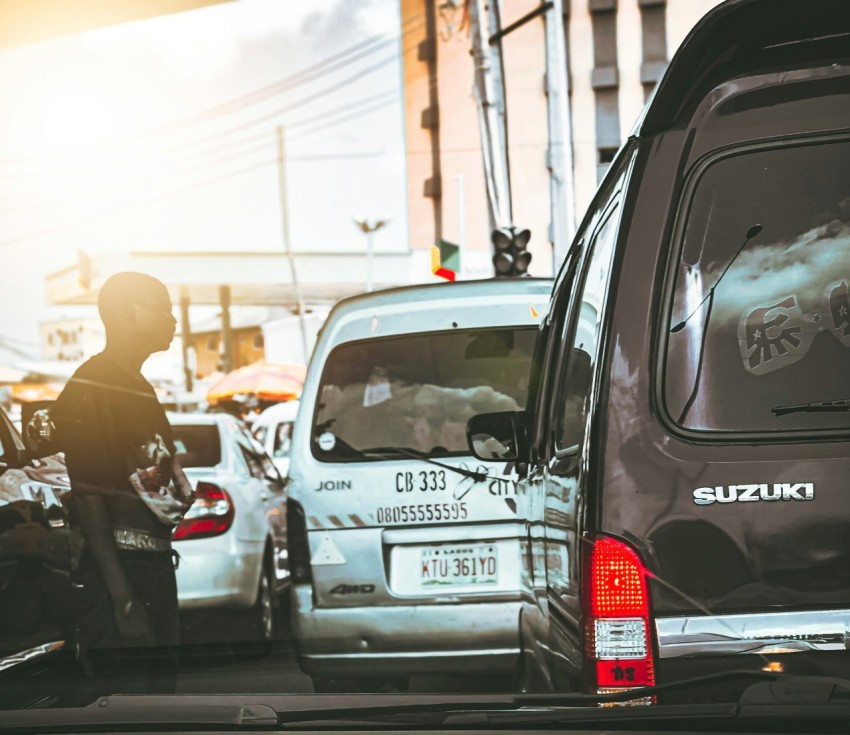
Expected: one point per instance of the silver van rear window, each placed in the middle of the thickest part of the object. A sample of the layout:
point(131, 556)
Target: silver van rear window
point(418, 391)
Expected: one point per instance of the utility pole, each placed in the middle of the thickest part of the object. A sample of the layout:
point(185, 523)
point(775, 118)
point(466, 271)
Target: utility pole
point(461, 218)
point(284, 211)
point(491, 117)
point(560, 155)
point(186, 338)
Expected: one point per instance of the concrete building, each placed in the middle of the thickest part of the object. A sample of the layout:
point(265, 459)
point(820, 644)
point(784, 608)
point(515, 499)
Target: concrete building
point(616, 50)
point(239, 283)
point(72, 339)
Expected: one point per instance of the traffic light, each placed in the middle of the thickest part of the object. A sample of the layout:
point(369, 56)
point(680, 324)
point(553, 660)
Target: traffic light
point(511, 257)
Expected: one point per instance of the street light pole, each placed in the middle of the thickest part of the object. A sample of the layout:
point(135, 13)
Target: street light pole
point(284, 211)
point(369, 229)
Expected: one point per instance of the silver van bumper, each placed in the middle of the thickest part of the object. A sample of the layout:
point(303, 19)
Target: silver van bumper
point(404, 639)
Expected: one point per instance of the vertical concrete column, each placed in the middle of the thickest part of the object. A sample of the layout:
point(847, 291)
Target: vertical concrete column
point(226, 331)
point(186, 338)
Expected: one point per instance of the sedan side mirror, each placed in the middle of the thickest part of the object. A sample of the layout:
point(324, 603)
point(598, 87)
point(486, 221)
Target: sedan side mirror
point(499, 437)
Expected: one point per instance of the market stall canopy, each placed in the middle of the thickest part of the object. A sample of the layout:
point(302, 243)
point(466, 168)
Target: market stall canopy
point(266, 381)
point(29, 392)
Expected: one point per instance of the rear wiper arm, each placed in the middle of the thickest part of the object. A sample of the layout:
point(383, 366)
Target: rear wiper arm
point(842, 404)
point(422, 456)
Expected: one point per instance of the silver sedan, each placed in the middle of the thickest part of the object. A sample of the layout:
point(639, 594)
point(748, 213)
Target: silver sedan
point(232, 542)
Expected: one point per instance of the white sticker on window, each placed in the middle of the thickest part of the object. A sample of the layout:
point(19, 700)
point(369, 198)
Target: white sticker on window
point(327, 441)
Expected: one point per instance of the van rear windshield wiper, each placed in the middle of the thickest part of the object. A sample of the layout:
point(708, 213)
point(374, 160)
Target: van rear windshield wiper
point(842, 404)
point(422, 456)
point(387, 452)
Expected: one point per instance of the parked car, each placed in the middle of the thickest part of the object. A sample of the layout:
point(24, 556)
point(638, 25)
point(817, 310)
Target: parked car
point(273, 429)
point(686, 450)
point(35, 588)
point(405, 553)
point(232, 541)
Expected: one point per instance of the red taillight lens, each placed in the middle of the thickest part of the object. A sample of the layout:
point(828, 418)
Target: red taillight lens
point(210, 515)
point(618, 581)
point(617, 617)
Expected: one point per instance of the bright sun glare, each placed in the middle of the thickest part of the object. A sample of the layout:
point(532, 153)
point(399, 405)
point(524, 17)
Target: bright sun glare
point(76, 120)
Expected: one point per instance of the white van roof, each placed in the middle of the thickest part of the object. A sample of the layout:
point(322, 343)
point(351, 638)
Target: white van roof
point(439, 292)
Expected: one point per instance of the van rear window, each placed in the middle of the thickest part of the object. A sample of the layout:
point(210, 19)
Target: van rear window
point(759, 334)
point(418, 391)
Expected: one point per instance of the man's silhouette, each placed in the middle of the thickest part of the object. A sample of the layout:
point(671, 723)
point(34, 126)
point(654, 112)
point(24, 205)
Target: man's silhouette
point(128, 489)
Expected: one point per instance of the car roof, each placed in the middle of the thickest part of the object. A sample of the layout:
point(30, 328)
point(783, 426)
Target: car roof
point(286, 411)
point(198, 419)
point(731, 38)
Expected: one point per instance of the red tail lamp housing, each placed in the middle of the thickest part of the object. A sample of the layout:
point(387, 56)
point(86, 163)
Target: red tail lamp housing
point(298, 543)
point(211, 514)
point(617, 629)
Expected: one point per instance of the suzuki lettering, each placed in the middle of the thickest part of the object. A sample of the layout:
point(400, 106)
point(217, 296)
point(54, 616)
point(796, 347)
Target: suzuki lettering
point(755, 492)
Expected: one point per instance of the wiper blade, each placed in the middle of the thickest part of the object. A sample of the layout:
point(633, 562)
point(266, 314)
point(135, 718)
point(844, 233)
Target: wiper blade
point(842, 404)
point(129, 713)
point(422, 456)
point(511, 706)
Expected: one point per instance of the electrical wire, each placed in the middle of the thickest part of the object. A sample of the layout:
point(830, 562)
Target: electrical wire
point(210, 157)
point(311, 74)
point(26, 237)
point(251, 98)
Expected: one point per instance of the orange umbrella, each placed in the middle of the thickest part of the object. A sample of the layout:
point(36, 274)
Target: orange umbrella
point(27, 392)
point(268, 381)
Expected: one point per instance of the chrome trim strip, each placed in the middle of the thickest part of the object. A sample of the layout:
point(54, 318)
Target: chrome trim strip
point(407, 655)
point(758, 633)
point(19, 658)
point(451, 533)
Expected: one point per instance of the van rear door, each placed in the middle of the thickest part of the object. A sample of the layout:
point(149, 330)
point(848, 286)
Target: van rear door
point(399, 496)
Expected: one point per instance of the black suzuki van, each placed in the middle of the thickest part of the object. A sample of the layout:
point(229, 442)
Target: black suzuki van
point(686, 448)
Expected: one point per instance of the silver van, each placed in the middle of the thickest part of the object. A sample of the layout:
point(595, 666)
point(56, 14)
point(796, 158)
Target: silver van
point(405, 550)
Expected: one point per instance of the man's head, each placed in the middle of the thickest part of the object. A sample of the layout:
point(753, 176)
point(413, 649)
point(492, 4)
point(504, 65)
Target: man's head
point(136, 308)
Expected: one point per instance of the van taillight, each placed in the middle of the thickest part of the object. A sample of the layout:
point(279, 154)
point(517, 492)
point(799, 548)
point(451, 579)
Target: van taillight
point(297, 543)
point(210, 515)
point(617, 632)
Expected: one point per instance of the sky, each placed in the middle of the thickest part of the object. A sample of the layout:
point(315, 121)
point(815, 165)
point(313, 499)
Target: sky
point(161, 135)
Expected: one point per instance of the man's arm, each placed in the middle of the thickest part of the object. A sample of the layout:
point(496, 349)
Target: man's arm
point(130, 615)
point(81, 423)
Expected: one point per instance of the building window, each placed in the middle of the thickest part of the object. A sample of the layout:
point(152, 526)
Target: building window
point(653, 22)
point(606, 155)
point(605, 81)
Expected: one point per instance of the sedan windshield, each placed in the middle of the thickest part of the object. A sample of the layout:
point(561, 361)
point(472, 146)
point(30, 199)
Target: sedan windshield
point(418, 391)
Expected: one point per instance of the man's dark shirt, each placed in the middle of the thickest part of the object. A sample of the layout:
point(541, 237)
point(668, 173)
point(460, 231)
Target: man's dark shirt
point(111, 426)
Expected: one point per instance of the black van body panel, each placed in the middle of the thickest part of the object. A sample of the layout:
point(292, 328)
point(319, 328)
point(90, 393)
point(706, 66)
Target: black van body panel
point(733, 38)
point(745, 76)
point(741, 555)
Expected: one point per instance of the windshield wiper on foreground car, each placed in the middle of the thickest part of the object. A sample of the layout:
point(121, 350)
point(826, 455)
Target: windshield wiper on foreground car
point(842, 404)
point(782, 700)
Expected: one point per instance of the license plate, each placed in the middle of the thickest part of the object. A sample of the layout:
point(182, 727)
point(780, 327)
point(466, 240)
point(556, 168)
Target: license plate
point(463, 565)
